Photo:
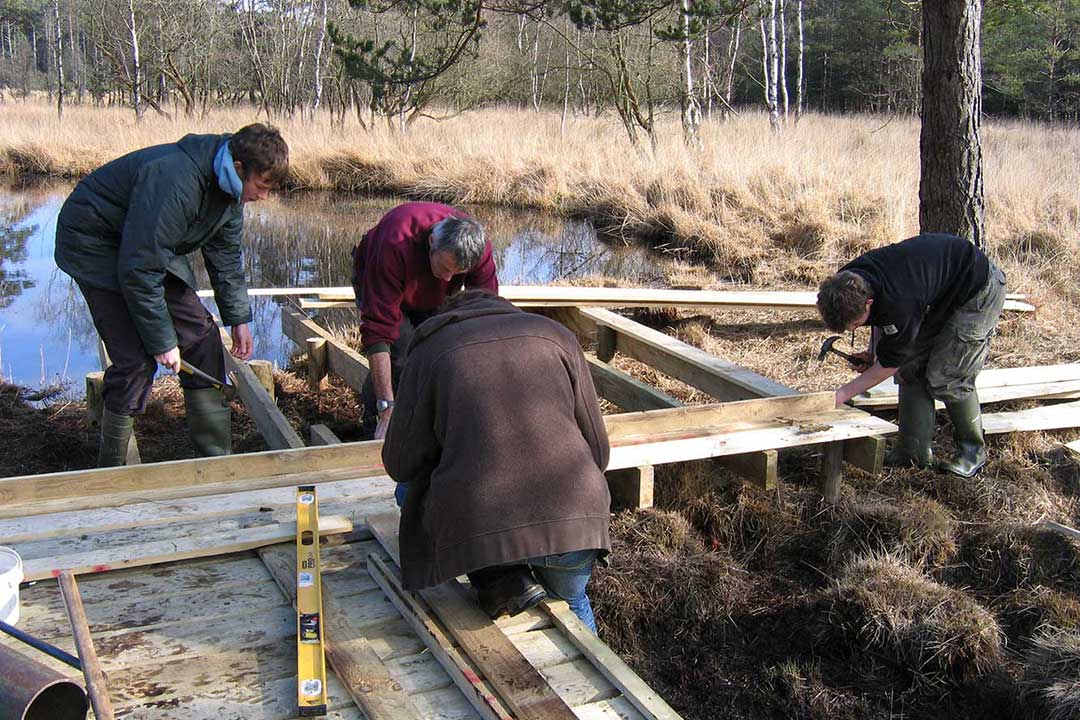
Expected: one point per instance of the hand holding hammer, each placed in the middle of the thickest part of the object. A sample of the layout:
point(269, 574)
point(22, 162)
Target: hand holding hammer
point(860, 361)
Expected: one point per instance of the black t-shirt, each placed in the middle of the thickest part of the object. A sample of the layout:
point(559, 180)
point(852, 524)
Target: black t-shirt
point(917, 284)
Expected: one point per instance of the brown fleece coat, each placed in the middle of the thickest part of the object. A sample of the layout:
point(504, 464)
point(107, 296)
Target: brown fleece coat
point(499, 435)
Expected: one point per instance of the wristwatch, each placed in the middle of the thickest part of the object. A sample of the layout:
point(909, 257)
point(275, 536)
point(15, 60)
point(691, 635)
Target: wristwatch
point(382, 406)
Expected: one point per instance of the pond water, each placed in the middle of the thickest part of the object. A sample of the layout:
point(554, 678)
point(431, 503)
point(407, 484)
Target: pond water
point(47, 338)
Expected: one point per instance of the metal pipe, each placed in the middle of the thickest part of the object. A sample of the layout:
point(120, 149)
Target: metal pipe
point(47, 648)
point(96, 686)
point(31, 691)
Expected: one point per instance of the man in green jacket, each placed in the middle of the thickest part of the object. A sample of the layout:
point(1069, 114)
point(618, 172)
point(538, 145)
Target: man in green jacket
point(124, 235)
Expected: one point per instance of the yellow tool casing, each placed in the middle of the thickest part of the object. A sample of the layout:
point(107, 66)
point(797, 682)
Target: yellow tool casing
point(310, 655)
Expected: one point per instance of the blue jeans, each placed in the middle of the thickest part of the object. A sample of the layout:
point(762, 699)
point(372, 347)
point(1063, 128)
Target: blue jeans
point(565, 576)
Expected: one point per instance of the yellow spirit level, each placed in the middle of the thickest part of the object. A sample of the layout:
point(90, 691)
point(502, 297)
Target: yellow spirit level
point(311, 659)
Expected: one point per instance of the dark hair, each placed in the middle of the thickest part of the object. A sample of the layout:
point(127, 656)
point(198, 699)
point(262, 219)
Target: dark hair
point(842, 299)
point(260, 148)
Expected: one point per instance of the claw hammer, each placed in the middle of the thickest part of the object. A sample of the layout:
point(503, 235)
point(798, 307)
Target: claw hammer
point(228, 390)
point(827, 347)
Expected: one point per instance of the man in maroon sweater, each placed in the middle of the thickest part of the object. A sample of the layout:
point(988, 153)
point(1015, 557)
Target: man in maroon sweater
point(403, 270)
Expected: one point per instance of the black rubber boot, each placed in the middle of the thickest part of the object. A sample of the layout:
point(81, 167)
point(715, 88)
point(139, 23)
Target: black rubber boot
point(115, 435)
point(916, 421)
point(966, 416)
point(506, 590)
point(209, 420)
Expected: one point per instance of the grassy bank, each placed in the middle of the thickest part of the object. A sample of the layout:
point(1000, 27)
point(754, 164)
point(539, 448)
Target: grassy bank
point(757, 207)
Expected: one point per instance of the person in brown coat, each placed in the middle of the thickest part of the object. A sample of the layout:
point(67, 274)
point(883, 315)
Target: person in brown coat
point(503, 447)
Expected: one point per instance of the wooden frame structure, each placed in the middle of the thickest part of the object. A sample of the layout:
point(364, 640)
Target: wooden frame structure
point(210, 526)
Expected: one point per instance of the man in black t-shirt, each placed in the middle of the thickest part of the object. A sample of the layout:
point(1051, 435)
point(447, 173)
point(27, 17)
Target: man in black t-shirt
point(933, 302)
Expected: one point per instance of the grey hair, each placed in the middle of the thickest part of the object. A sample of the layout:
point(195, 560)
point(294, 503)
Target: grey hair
point(464, 237)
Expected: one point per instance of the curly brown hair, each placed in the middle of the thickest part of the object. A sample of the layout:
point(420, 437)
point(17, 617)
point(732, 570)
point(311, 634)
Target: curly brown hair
point(260, 148)
point(842, 299)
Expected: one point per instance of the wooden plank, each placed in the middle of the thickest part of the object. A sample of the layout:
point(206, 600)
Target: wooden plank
point(356, 664)
point(1059, 390)
point(1047, 417)
point(633, 688)
point(171, 550)
point(631, 395)
point(156, 514)
point(1004, 377)
point(552, 295)
point(722, 379)
point(690, 418)
point(460, 670)
point(625, 391)
point(631, 488)
point(106, 487)
point(525, 692)
point(1074, 448)
point(1062, 529)
point(322, 435)
point(342, 360)
point(735, 439)
point(272, 425)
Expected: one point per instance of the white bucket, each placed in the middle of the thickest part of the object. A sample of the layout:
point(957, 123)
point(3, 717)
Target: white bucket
point(11, 574)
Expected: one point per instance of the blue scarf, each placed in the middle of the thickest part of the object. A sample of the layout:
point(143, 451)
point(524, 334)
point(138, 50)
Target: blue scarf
point(228, 180)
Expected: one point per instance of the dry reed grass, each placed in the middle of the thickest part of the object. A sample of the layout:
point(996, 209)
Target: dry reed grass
point(1052, 673)
point(933, 634)
point(756, 206)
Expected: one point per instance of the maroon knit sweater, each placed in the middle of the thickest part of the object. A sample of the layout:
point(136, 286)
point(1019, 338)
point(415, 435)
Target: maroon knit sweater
point(392, 271)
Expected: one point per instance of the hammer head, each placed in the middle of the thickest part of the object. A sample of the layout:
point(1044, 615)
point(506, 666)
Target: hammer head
point(826, 347)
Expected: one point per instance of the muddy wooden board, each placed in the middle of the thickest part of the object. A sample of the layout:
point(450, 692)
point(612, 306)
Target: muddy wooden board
point(215, 637)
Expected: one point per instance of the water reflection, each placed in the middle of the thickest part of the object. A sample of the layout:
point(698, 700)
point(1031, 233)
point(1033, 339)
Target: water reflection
point(47, 337)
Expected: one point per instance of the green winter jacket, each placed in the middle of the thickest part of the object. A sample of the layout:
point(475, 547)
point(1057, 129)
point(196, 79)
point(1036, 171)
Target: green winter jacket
point(136, 218)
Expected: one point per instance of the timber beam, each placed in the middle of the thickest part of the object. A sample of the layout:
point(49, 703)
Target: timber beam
point(646, 438)
point(340, 359)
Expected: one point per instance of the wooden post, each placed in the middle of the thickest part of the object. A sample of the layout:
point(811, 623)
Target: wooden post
point(631, 488)
point(264, 371)
point(316, 365)
point(95, 383)
point(322, 435)
point(606, 340)
point(832, 471)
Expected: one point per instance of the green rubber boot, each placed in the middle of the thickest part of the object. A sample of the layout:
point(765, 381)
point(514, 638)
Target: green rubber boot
point(916, 421)
point(209, 420)
point(115, 435)
point(966, 416)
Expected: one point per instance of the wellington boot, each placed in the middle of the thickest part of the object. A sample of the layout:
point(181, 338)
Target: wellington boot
point(916, 421)
point(209, 420)
point(966, 416)
point(115, 435)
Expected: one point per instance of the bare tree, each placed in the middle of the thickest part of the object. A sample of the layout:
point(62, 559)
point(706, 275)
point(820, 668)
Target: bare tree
point(136, 66)
point(733, 54)
point(317, 99)
point(691, 111)
point(799, 80)
point(59, 60)
point(783, 57)
point(770, 63)
point(951, 181)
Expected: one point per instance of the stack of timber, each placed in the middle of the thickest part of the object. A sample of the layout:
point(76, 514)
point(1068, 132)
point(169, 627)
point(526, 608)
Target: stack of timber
point(576, 296)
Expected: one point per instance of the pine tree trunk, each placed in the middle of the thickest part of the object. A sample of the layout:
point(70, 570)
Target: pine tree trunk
point(951, 181)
